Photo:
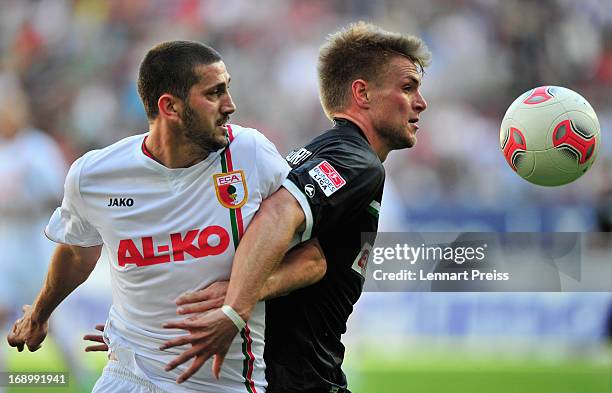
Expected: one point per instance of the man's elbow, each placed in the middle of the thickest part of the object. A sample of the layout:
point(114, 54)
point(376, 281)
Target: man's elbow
point(318, 268)
point(282, 207)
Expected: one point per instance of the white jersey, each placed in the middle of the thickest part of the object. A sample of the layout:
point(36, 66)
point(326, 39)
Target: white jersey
point(165, 232)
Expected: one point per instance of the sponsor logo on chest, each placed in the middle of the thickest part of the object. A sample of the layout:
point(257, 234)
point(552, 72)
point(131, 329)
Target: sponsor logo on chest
point(231, 189)
point(327, 177)
point(120, 202)
point(212, 240)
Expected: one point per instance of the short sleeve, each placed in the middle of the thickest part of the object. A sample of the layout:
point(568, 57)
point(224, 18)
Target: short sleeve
point(68, 224)
point(334, 185)
point(272, 169)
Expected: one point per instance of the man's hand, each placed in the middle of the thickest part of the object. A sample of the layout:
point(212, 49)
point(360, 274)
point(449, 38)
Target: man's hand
point(102, 347)
point(27, 331)
point(209, 334)
point(70, 266)
point(203, 300)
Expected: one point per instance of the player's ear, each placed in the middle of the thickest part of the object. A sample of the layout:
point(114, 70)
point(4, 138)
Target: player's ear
point(359, 90)
point(168, 106)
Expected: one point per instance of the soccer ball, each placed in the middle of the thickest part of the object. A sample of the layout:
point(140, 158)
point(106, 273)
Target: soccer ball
point(550, 136)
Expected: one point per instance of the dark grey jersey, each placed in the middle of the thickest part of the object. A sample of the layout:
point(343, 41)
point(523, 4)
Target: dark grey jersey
point(340, 180)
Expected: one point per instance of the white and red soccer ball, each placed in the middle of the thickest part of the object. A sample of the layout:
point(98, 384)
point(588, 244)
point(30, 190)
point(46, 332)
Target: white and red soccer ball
point(550, 136)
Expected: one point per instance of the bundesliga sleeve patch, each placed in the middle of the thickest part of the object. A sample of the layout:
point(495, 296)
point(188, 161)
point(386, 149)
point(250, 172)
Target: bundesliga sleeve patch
point(327, 177)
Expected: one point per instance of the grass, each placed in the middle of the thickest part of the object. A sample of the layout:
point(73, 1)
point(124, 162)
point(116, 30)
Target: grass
point(443, 372)
point(371, 370)
point(531, 379)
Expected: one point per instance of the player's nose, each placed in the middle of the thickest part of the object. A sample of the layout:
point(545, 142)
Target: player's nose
point(420, 104)
point(228, 107)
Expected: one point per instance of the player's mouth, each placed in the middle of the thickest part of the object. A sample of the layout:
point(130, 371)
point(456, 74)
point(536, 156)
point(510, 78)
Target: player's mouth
point(223, 123)
point(414, 121)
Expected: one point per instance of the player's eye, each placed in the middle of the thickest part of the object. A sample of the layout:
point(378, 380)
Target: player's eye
point(218, 91)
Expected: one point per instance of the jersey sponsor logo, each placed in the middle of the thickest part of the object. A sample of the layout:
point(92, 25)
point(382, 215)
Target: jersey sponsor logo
point(360, 264)
point(297, 156)
point(231, 189)
point(309, 189)
point(120, 202)
point(327, 177)
point(212, 240)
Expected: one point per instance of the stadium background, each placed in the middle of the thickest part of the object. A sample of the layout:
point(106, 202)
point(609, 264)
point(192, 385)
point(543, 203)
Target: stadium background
point(77, 61)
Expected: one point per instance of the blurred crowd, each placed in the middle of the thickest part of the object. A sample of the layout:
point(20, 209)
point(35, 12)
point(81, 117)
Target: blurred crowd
point(78, 59)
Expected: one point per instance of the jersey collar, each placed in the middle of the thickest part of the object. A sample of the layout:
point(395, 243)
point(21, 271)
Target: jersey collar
point(146, 151)
point(149, 160)
point(345, 124)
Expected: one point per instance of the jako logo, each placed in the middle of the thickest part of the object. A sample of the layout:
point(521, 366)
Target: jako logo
point(128, 253)
point(120, 202)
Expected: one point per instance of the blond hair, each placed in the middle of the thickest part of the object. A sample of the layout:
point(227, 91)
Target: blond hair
point(361, 51)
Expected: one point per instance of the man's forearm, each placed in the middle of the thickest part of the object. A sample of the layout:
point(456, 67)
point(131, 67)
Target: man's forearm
point(261, 249)
point(70, 266)
point(302, 266)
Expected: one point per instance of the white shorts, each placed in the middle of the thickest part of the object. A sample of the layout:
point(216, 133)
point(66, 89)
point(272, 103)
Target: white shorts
point(117, 378)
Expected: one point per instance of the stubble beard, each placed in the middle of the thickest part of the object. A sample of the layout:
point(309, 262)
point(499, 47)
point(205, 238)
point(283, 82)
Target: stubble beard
point(201, 138)
point(396, 137)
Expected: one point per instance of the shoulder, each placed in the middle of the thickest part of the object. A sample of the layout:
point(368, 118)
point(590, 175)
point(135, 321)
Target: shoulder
point(246, 137)
point(104, 163)
point(347, 150)
point(252, 145)
point(119, 152)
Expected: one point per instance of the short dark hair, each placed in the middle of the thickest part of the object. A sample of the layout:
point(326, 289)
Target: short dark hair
point(361, 51)
point(170, 67)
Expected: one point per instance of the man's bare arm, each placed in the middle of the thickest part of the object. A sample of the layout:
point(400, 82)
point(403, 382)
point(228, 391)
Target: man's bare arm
point(70, 266)
point(262, 248)
point(260, 251)
point(302, 266)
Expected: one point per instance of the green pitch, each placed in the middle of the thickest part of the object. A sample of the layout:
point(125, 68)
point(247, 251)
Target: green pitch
point(373, 371)
point(530, 379)
point(443, 373)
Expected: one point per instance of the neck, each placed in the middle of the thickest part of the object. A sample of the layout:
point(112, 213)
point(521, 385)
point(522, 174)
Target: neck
point(172, 150)
point(365, 124)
